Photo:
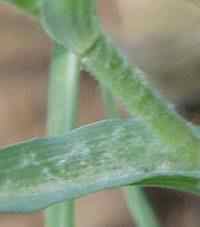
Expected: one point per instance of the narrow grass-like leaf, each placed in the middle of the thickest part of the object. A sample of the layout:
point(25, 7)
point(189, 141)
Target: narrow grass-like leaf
point(73, 23)
point(138, 204)
point(30, 6)
point(103, 155)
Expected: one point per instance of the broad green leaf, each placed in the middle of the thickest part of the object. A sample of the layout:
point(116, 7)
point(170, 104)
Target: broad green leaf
point(103, 155)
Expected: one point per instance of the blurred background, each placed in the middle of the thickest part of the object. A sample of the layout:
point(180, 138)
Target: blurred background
point(162, 37)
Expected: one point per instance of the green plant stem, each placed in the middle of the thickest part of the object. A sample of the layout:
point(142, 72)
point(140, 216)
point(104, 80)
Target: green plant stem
point(110, 107)
point(139, 208)
point(62, 116)
point(109, 67)
point(138, 205)
point(63, 92)
point(113, 71)
point(102, 60)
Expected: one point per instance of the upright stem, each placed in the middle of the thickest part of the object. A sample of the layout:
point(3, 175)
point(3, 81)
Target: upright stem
point(63, 92)
point(62, 116)
point(138, 205)
point(110, 106)
point(112, 70)
point(139, 208)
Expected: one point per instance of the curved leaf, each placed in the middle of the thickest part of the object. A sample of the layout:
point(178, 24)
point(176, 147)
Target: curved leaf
point(104, 155)
point(71, 23)
point(30, 6)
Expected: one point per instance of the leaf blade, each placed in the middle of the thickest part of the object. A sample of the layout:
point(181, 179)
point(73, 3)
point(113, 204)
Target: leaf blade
point(103, 155)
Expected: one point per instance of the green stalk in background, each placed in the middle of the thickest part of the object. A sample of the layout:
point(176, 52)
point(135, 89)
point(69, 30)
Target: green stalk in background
point(139, 207)
point(63, 92)
point(62, 116)
point(110, 107)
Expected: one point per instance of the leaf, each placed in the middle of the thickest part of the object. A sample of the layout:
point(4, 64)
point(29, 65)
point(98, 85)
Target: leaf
point(30, 6)
point(71, 24)
point(103, 155)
